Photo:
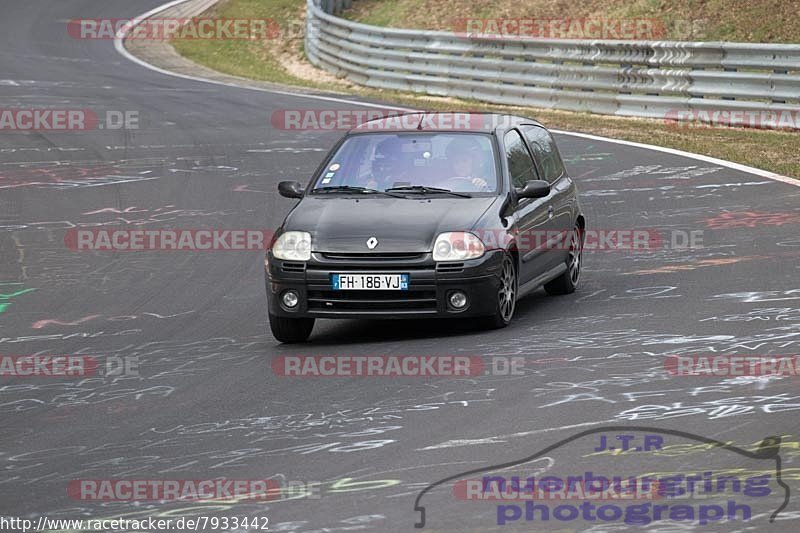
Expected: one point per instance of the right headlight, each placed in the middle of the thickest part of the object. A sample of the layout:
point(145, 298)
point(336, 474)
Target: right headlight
point(293, 246)
point(457, 246)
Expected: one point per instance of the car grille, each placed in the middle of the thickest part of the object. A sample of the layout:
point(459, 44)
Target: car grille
point(374, 257)
point(367, 262)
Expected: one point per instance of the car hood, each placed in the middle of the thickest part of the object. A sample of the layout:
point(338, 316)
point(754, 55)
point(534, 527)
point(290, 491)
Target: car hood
point(399, 224)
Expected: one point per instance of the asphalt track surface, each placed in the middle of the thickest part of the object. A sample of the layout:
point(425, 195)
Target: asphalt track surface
point(207, 403)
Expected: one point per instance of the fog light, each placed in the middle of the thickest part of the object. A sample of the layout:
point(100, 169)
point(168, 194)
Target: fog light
point(458, 300)
point(290, 299)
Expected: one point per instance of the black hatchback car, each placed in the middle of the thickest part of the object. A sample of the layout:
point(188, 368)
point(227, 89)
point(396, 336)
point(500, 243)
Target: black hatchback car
point(426, 215)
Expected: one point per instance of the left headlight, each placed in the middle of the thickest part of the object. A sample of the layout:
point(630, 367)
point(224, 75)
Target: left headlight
point(293, 246)
point(457, 246)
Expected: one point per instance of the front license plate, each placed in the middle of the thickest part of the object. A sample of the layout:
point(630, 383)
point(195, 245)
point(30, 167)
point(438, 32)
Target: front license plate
point(370, 282)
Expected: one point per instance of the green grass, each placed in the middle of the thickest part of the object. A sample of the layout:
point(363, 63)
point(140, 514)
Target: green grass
point(773, 21)
point(251, 59)
point(770, 150)
point(387, 13)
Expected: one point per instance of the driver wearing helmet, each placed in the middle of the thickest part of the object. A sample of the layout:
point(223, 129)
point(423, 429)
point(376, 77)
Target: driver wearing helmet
point(388, 166)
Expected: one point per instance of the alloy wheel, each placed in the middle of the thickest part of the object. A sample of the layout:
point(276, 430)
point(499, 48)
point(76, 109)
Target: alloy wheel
point(575, 253)
point(508, 290)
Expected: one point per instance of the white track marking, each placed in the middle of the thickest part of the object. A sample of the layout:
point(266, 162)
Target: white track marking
point(721, 162)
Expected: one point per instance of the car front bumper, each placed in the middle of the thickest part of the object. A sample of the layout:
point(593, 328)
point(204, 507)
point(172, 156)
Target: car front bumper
point(429, 288)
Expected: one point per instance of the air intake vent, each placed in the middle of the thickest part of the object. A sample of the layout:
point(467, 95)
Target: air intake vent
point(293, 267)
point(446, 268)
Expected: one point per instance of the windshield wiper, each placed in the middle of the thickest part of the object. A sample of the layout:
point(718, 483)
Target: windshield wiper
point(427, 190)
point(351, 188)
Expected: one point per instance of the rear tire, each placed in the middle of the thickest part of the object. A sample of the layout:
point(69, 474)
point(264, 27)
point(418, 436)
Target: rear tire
point(567, 282)
point(290, 330)
point(506, 296)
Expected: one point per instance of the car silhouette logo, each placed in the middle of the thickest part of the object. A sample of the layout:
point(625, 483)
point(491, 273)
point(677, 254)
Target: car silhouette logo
point(372, 242)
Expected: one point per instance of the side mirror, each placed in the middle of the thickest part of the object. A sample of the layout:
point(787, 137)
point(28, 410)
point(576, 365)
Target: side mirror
point(534, 189)
point(291, 189)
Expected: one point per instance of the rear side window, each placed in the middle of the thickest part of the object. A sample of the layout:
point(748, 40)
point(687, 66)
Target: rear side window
point(545, 152)
point(520, 165)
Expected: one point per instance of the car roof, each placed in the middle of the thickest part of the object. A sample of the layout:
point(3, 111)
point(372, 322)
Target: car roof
point(462, 121)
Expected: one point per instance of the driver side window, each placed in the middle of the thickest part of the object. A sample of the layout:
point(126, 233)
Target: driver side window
point(545, 151)
point(520, 163)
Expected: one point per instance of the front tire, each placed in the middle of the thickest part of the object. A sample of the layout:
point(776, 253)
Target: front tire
point(290, 330)
point(567, 282)
point(506, 296)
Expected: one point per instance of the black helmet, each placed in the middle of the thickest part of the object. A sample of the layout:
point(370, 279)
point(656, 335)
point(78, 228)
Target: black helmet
point(388, 155)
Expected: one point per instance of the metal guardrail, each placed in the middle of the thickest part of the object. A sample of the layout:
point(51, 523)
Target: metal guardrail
point(653, 79)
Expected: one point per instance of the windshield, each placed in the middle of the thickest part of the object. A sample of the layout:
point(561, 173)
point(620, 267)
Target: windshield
point(407, 163)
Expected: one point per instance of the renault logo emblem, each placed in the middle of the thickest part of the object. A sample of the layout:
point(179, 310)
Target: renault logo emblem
point(372, 242)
